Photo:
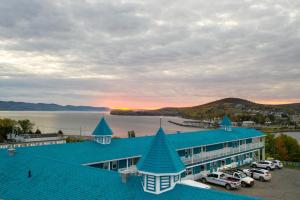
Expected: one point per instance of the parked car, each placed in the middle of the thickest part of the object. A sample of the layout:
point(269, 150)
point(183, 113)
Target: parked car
point(278, 164)
point(260, 174)
point(265, 164)
point(241, 176)
point(220, 178)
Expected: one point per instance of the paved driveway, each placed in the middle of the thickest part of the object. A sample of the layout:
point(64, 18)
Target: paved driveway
point(285, 185)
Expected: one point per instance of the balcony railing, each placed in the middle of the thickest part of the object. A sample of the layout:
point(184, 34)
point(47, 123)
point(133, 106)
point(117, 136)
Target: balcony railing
point(220, 153)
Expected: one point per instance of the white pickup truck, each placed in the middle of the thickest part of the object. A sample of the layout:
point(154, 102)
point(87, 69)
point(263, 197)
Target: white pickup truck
point(241, 176)
point(220, 178)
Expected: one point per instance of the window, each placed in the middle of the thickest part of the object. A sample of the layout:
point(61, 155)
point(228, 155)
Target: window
point(197, 150)
point(222, 163)
point(114, 165)
point(176, 178)
point(105, 165)
point(150, 183)
point(165, 182)
point(214, 175)
point(202, 167)
point(186, 152)
point(189, 171)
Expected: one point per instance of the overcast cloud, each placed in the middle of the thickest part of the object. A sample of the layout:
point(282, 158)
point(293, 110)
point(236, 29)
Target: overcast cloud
point(133, 53)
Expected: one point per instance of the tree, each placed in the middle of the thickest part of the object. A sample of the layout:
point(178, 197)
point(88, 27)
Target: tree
point(131, 134)
point(6, 126)
point(281, 149)
point(26, 126)
point(60, 132)
point(270, 145)
point(292, 147)
point(38, 131)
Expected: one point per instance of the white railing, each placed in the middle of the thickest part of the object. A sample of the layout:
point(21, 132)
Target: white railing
point(220, 153)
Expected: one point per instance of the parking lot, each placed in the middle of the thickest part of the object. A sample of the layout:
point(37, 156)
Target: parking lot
point(285, 185)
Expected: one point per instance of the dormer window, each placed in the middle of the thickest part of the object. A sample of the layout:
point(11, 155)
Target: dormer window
point(226, 124)
point(102, 133)
point(158, 176)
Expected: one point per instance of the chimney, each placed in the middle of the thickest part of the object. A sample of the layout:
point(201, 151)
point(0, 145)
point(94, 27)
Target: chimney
point(11, 151)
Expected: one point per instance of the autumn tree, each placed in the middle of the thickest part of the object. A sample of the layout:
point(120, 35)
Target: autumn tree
point(26, 126)
point(280, 148)
point(6, 126)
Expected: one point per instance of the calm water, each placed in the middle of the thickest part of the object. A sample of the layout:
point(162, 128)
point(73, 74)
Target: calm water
point(72, 122)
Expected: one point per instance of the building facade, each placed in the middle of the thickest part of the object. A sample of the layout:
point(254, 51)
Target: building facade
point(150, 167)
point(222, 148)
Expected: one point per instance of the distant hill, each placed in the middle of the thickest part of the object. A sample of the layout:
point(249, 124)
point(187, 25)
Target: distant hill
point(22, 106)
point(230, 106)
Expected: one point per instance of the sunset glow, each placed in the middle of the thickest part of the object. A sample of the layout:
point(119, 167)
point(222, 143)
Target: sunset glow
point(130, 55)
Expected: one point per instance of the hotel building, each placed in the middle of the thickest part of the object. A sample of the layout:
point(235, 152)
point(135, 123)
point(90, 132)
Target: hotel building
point(149, 167)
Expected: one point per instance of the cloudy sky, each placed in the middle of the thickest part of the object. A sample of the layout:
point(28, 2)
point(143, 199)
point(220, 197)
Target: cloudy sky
point(149, 54)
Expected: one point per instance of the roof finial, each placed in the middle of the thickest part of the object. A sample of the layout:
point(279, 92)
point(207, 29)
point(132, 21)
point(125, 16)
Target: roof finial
point(160, 122)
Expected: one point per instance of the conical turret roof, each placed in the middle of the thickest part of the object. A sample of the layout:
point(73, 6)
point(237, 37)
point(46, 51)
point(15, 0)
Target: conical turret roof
point(102, 128)
point(161, 157)
point(226, 121)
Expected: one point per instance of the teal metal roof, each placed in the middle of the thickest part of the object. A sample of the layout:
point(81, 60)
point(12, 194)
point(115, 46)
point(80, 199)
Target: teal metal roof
point(226, 121)
point(89, 151)
point(161, 157)
point(53, 179)
point(102, 128)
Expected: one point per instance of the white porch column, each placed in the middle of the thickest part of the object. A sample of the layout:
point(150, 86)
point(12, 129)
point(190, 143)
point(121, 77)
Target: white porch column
point(192, 155)
point(263, 153)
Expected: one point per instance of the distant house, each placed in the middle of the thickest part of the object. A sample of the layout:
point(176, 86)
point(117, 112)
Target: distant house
point(248, 124)
point(24, 140)
point(235, 124)
point(268, 123)
point(295, 118)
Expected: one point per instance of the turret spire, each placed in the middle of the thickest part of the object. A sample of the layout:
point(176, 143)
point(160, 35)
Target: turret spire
point(226, 123)
point(160, 166)
point(102, 133)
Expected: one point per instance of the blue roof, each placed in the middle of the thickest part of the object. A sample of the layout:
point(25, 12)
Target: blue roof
point(53, 179)
point(88, 152)
point(226, 121)
point(102, 128)
point(161, 157)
